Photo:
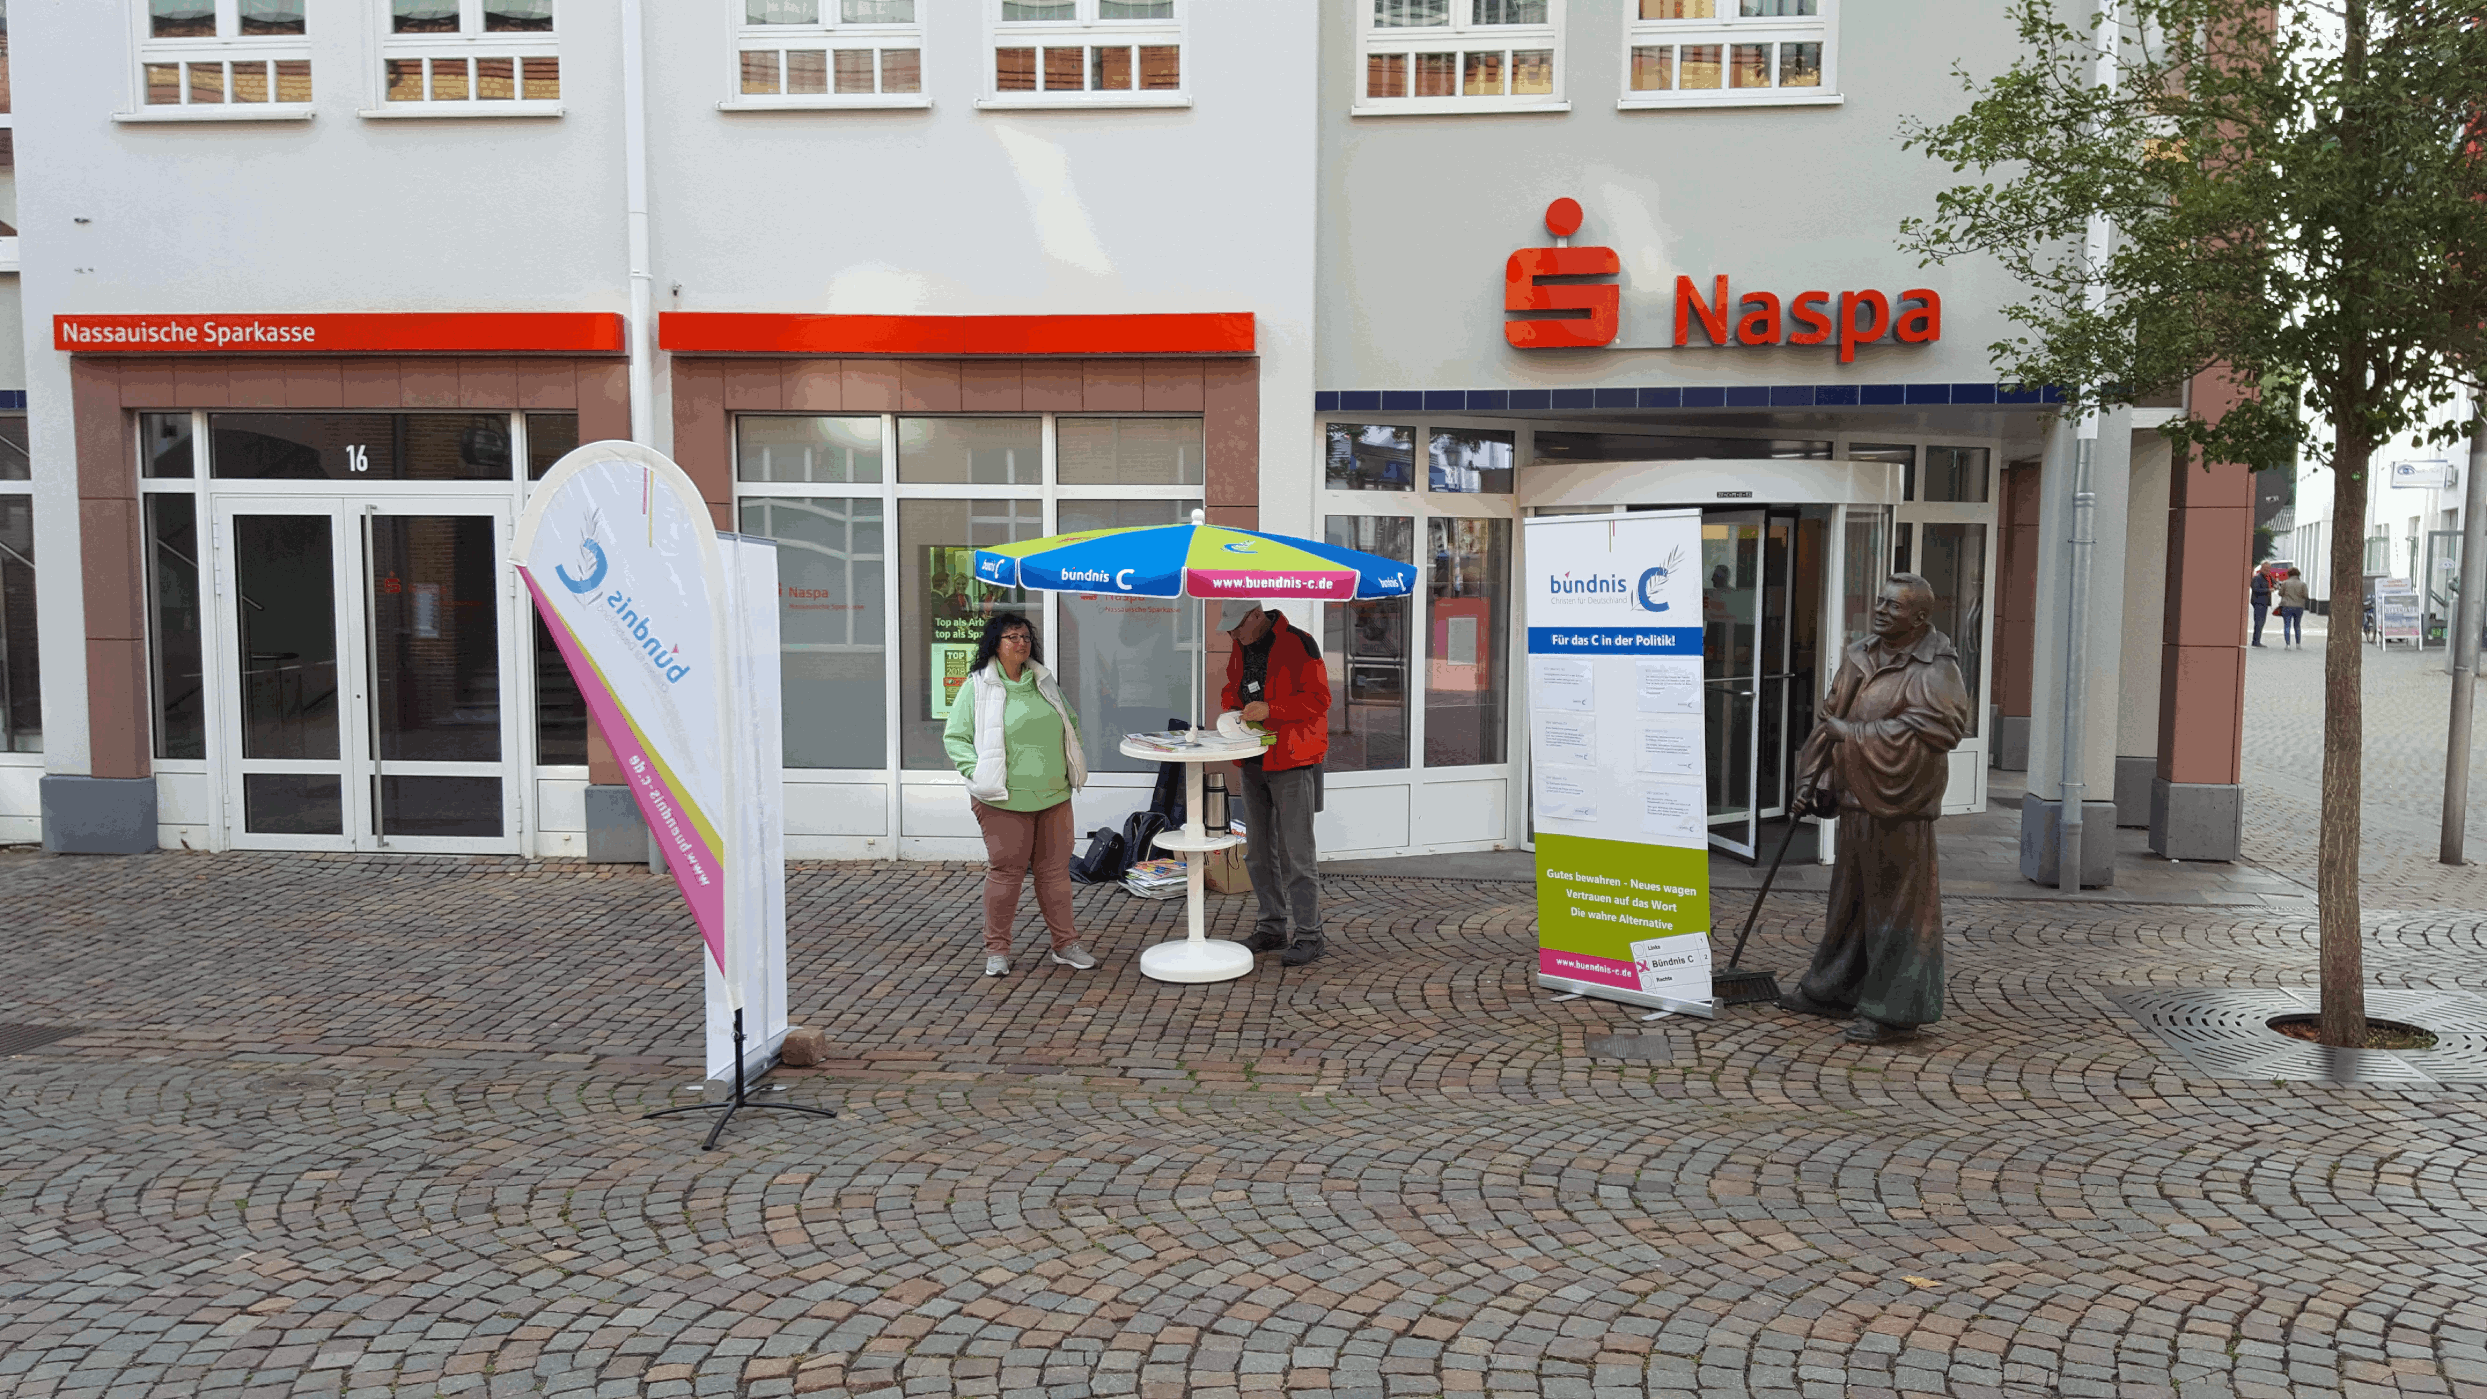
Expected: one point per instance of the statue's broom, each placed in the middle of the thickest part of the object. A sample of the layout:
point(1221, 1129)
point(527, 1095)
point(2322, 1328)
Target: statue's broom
point(1735, 986)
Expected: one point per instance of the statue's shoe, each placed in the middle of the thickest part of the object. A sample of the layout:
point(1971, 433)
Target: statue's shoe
point(1865, 1031)
point(1802, 1004)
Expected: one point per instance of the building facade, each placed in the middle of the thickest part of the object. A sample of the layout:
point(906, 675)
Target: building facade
point(318, 286)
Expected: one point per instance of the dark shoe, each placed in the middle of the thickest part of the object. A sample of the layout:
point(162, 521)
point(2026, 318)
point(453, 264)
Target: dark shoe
point(1803, 1004)
point(1266, 942)
point(1304, 949)
point(1866, 1031)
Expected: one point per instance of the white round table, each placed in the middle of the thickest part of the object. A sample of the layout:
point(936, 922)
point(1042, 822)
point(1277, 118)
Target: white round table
point(1197, 957)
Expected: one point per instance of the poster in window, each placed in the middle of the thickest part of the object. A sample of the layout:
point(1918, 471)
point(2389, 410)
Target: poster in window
point(956, 607)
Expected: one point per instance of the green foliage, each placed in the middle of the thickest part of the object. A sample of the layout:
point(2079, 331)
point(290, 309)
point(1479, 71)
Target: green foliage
point(2296, 196)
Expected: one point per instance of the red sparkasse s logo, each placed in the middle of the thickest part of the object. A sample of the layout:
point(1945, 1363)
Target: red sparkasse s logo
point(1568, 314)
point(1525, 289)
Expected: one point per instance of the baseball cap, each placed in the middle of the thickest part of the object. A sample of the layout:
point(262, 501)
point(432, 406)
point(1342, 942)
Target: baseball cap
point(1238, 609)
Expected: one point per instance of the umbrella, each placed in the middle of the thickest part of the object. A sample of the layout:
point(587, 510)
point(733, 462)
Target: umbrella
point(1195, 560)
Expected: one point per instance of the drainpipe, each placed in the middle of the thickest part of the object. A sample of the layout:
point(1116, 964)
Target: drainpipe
point(2100, 244)
point(642, 329)
point(2076, 658)
point(2469, 613)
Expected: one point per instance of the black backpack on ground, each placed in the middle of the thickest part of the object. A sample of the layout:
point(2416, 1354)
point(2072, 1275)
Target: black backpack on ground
point(1105, 859)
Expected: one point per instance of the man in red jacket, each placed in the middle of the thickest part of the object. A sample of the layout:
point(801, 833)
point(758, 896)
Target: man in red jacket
point(1275, 678)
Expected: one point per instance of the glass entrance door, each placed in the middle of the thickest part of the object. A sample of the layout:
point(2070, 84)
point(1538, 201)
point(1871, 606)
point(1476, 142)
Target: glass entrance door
point(1756, 697)
point(366, 659)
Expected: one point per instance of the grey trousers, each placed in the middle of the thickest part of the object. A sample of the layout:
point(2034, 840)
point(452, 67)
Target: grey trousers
point(1278, 850)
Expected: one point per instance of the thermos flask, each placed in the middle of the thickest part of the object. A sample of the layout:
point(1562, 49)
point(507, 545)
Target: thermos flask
point(1213, 803)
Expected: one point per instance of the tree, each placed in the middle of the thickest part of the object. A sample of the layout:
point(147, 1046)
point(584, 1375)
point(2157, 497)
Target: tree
point(2296, 204)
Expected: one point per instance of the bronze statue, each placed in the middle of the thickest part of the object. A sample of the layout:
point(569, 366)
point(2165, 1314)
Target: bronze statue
point(1879, 758)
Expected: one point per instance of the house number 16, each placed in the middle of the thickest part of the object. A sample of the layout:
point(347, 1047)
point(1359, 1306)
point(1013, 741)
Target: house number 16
point(357, 458)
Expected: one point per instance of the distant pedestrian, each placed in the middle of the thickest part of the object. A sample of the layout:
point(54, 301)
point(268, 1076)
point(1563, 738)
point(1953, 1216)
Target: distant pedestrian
point(1012, 737)
point(2260, 587)
point(2293, 608)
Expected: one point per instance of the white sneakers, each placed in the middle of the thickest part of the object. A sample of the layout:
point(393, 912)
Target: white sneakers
point(1076, 956)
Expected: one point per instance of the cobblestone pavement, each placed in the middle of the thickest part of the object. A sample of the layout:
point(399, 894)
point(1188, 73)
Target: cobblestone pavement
point(2406, 701)
point(366, 1128)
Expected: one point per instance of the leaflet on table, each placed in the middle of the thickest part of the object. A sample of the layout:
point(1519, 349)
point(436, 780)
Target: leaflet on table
point(1563, 683)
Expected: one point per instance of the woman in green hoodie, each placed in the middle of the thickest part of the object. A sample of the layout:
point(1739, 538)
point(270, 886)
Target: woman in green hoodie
point(1013, 739)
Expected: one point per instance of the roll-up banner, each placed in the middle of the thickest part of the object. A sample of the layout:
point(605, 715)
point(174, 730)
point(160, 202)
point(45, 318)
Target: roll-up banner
point(670, 630)
point(1616, 728)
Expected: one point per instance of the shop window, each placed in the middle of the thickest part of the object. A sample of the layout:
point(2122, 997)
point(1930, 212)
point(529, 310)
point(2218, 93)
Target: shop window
point(1369, 457)
point(1366, 646)
point(1956, 474)
point(469, 58)
point(1702, 53)
point(177, 672)
point(1126, 664)
point(818, 450)
point(235, 58)
point(1468, 602)
point(833, 633)
point(560, 710)
point(1900, 454)
point(21, 693)
point(942, 608)
point(1633, 446)
point(1952, 558)
point(1129, 452)
point(1087, 53)
point(358, 446)
point(971, 451)
point(1468, 462)
point(1460, 56)
point(550, 437)
point(829, 53)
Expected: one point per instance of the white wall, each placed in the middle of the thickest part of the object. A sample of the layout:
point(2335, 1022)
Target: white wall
point(1420, 212)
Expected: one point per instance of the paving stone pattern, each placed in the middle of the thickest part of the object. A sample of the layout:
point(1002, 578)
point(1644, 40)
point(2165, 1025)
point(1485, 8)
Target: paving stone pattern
point(369, 1127)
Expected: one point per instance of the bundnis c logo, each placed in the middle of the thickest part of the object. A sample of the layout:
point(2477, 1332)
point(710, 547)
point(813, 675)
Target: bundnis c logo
point(1650, 595)
point(593, 553)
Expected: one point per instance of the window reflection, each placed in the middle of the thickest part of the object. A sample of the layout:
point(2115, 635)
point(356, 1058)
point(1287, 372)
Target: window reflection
point(1469, 462)
point(1366, 645)
point(970, 451)
point(942, 607)
point(1370, 457)
point(1952, 558)
point(832, 628)
point(1126, 664)
point(1466, 697)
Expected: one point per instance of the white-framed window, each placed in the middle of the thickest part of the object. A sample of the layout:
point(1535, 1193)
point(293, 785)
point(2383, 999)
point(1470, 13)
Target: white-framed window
point(1086, 53)
point(877, 518)
point(21, 700)
point(828, 53)
point(1709, 53)
point(222, 59)
point(457, 58)
point(1430, 56)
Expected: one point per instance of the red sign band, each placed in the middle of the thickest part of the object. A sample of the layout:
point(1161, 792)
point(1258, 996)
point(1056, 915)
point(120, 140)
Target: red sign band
point(404, 332)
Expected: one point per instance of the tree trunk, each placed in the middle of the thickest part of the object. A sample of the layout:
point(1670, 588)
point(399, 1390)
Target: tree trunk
point(2336, 860)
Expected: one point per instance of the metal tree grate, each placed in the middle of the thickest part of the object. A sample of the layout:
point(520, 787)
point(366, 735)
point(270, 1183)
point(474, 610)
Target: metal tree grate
point(2222, 1033)
point(17, 1039)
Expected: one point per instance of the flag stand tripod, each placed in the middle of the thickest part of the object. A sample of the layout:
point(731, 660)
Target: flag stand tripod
point(738, 1102)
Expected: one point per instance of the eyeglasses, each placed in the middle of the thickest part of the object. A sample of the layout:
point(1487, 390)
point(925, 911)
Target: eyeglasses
point(1019, 636)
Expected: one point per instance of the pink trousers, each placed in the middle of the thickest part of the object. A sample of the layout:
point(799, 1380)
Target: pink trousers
point(1012, 841)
